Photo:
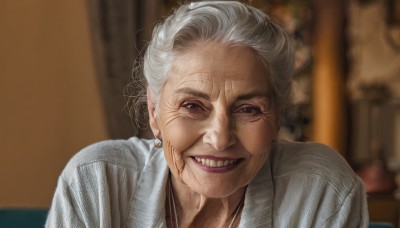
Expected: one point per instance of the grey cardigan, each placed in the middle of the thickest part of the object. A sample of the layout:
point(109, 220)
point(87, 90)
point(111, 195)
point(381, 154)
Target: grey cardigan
point(121, 183)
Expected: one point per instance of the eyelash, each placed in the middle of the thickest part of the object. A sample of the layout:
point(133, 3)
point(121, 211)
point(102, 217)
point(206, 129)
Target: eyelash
point(192, 106)
point(244, 109)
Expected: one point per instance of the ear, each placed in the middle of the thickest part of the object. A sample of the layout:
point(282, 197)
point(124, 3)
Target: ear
point(152, 120)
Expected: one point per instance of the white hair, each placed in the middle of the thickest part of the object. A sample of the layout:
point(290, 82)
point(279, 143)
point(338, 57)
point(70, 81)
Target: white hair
point(228, 22)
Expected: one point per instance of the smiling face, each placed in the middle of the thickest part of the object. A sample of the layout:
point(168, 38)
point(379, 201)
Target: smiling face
point(216, 118)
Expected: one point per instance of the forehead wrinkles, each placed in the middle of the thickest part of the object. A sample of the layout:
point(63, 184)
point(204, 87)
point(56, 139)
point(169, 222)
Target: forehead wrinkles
point(218, 70)
point(193, 80)
point(203, 82)
point(216, 86)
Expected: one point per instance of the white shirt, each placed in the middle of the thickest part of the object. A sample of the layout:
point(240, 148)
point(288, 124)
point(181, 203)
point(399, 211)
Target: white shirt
point(121, 183)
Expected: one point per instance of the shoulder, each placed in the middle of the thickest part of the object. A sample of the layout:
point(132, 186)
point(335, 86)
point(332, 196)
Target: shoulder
point(127, 154)
point(312, 160)
point(313, 184)
point(99, 183)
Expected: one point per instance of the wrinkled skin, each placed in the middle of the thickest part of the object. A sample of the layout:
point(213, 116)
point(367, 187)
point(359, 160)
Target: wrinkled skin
point(216, 104)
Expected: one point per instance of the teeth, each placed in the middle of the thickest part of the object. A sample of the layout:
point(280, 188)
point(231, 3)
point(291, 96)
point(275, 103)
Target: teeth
point(215, 163)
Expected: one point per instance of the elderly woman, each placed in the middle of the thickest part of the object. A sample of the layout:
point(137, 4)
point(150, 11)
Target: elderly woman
point(218, 81)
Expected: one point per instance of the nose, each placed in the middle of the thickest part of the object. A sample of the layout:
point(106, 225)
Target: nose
point(219, 133)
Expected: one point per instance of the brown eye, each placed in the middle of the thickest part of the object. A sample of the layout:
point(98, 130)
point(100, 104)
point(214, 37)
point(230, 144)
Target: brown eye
point(252, 110)
point(191, 106)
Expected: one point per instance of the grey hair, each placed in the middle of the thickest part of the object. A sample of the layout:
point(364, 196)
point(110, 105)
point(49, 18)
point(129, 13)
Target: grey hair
point(227, 22)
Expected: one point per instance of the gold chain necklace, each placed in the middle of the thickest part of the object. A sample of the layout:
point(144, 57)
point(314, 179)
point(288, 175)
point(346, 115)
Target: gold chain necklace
point(172, 207)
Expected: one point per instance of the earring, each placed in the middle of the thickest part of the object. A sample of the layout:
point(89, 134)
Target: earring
point(158, 143)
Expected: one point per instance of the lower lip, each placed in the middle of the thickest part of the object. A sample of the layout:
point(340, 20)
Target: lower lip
point(216, 169)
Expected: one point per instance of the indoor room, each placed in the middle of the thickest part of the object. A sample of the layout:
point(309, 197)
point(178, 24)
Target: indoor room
point(67, 80)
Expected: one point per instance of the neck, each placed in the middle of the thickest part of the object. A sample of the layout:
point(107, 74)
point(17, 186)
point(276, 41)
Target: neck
point(197, 210)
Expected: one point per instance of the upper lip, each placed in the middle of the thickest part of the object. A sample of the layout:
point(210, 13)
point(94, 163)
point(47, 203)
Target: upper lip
point(214, 157)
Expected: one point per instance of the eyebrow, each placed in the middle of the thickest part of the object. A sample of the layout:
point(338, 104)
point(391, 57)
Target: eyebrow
point(253, 95)
point(193, 92)
point(197, 93)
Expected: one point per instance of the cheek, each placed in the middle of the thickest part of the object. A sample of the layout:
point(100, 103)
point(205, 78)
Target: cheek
point(256, 137)
point(174, 160)
point(181, 133)
point(178, 135)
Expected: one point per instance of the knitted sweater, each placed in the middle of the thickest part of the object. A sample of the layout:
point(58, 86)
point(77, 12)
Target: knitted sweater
point(122, 183)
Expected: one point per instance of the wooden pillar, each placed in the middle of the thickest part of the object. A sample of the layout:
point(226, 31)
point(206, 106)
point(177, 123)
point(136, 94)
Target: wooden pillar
point(328, 109)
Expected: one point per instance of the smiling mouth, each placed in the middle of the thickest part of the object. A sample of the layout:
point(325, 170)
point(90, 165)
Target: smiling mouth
point(212, 163)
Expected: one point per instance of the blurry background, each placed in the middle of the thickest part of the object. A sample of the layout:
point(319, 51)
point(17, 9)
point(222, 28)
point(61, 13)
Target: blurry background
point(64, 65)
point(50, 104)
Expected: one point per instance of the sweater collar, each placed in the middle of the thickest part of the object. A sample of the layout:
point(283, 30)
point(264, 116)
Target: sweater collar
point(258, 203)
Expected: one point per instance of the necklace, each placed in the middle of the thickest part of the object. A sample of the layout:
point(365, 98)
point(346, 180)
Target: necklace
point(171, 198)
point(172, 207)
point(236, 213)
